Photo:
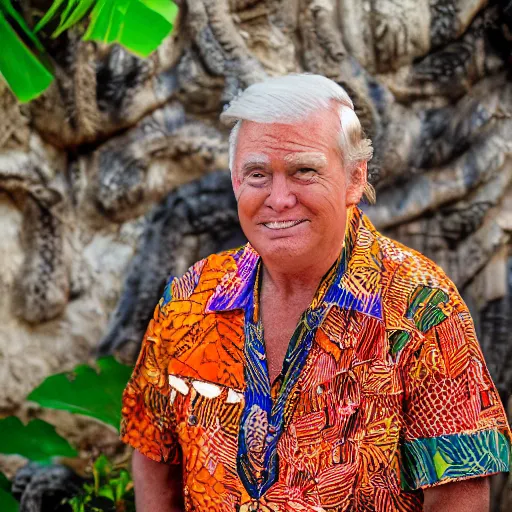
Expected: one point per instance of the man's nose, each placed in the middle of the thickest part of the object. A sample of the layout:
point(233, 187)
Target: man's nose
point(281, 197)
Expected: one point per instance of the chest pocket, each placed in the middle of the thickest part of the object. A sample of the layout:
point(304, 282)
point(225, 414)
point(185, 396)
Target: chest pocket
point(329, 410)
point(205, 405)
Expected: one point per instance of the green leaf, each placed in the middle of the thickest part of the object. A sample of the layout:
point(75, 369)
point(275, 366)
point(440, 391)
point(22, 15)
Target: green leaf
point(50, 15)
point(122, 484)
point(87, 391)
point(71, 12)
point(22, 64)
point(166, 8)
point(101, 468)
point(7, 502)
point(112, 489)
point(5, 483)
point(138, 25)
point(19, 25)
point(105, 21)
point(37, 441)
point(71, 17)
point(76, 503)
point(107, 492)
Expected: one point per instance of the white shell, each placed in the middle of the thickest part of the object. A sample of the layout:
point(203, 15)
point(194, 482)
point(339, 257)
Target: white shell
point(234, 397)
point(206, 389)
point(179, 384)
point(172, 397)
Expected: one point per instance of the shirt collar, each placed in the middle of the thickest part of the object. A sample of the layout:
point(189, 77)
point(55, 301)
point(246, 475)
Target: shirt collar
point(356, 285)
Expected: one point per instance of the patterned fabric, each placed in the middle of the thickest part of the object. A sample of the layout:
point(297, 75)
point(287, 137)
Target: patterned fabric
point(383, 390)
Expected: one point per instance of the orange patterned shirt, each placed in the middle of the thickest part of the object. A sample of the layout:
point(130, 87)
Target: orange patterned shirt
point(383, 391)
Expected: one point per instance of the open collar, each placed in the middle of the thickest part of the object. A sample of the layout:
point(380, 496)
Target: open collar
point(348, 290)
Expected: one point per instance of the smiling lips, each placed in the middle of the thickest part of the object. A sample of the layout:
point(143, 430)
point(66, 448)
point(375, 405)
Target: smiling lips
point(282, 224)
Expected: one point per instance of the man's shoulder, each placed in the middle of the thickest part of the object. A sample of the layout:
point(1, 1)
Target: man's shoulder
point(415, 288)
point(418, 296)
point(411, 269)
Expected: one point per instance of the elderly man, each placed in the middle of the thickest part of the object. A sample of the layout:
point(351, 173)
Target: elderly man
point(321, 367)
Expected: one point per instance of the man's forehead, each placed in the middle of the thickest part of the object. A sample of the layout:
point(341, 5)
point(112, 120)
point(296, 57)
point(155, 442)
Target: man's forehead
point(295, 157)
point(310, 135)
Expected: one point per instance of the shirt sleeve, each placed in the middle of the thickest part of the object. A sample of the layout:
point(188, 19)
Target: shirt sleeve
point(454, 424)
point(147, 420)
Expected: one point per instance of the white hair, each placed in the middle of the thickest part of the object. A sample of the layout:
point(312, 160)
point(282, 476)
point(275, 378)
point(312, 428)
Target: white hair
point(290, 99)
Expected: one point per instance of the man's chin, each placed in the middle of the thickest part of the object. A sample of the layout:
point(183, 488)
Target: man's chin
point(284, 247)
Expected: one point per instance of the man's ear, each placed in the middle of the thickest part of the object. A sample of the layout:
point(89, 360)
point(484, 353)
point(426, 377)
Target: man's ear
point(357, 184)
point(235, 183)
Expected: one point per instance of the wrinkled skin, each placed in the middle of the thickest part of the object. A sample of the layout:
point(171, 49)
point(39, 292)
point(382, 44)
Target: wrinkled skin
point(293, 172)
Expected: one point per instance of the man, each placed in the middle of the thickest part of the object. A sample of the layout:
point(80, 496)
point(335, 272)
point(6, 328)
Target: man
point(321, 367)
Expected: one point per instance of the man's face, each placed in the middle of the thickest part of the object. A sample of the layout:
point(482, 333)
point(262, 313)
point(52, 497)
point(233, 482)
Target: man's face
point(291, 188)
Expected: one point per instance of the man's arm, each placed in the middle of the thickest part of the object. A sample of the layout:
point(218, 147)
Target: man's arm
point(158, 486)
point(466, 495)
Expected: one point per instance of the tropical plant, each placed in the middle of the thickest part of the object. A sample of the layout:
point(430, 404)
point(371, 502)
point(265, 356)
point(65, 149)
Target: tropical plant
point(23, 62)
point(138, 25)
point(111, 489)
point(94, 392)
point(7, 502)
point(37, 441)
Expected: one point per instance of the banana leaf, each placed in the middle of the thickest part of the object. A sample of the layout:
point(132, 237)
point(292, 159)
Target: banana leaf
point(71, 12)
point(7, 501)
point(37, 441)
point(23, 64)
point(138, 25)
point(87, 391)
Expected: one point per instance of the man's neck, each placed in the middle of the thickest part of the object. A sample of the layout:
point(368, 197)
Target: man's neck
point(296, 280)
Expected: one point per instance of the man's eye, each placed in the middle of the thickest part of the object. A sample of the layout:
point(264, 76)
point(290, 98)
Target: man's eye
point(306, 170)
point(256, 174)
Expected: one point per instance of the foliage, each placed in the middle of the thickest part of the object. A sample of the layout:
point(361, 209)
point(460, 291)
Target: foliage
point(7, 502)
point(70, 12)
point(112, 489)
point(95, 392)
point(37, 441)
point(23, 63)
point(138, 25)
point(87, 391)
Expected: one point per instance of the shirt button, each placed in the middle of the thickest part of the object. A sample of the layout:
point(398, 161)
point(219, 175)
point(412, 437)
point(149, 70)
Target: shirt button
point(320, 390)
point(192, 420)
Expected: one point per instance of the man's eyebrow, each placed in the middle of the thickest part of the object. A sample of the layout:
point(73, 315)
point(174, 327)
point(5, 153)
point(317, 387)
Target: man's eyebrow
point(306, 159)
point(254, 160)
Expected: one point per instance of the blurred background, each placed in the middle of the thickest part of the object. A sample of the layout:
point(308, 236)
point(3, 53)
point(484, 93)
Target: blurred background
point(115, 177)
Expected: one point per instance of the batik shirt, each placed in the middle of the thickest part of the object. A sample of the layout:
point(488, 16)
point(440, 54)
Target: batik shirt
point(383, 391)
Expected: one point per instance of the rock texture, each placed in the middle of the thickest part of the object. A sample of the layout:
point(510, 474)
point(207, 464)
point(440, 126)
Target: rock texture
point(45, 487)
point(96, 201)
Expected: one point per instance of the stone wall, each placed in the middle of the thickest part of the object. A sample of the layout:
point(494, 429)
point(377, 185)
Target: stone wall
point(94, 206)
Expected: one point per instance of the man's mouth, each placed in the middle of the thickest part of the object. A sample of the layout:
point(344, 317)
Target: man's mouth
point(284, 224)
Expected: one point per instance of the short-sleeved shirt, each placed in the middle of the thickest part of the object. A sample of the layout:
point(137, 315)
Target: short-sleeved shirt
point(383, 391)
